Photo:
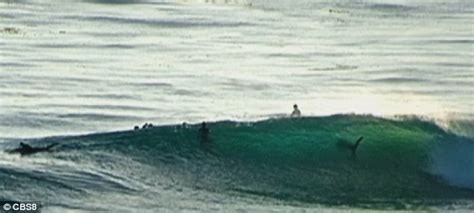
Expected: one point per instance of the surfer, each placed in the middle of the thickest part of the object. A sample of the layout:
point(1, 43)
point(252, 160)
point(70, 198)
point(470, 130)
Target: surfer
point(296, 112)
point(204, 132)
point(26, 149)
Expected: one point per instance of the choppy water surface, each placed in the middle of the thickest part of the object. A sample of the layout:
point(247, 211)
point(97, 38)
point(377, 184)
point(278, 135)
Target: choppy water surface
point(90, 66)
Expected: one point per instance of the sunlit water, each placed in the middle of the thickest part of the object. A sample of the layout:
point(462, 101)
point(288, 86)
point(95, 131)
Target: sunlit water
point(73, 67)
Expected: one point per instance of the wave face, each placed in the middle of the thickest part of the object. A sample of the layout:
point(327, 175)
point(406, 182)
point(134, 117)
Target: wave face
point(401, 164)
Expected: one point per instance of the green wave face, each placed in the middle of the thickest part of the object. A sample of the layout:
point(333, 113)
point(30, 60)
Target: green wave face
point(305, 160)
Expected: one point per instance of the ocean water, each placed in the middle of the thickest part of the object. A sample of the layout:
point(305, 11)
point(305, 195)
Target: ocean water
point(82, 73)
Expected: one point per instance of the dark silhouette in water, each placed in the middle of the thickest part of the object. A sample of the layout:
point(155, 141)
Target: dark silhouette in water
point(357, 143)
point(25, 146)
point(136, 128)
point(296, 112)
point(206, 144)
point(347, 145)
point(182, 126)
point(26, 149)
point(147, 125)
point(204, 133)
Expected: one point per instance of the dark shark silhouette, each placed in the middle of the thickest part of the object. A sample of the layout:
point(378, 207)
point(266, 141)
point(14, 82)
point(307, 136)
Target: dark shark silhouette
point(350, 146)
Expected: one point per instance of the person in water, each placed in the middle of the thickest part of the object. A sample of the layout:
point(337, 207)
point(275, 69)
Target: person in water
point(26, 149)
point(296, 112)
point(204, 132)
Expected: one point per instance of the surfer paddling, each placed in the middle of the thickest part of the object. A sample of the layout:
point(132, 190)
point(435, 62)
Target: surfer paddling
point(26, 149)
